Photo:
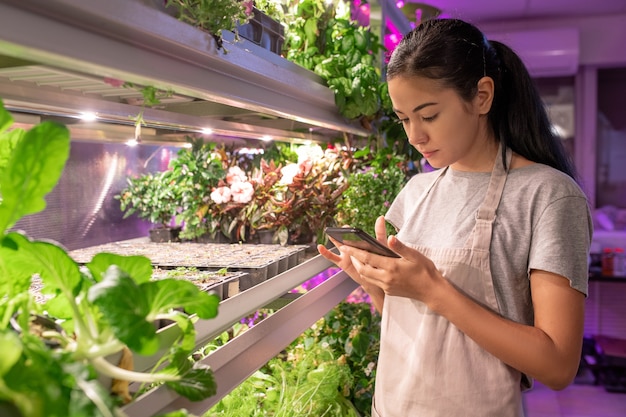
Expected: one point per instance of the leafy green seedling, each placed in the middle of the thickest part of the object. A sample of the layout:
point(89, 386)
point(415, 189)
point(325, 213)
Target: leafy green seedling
point(105, 308)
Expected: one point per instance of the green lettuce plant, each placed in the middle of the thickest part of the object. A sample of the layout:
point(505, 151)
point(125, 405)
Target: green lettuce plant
point(329, 370)
point(309, 381)
point(104, 308)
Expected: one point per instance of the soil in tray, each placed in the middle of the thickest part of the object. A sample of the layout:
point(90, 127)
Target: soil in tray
point(191, 274)
point(224, 283)
point(197, 255)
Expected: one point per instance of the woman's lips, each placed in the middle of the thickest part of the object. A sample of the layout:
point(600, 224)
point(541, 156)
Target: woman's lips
point(427, 155)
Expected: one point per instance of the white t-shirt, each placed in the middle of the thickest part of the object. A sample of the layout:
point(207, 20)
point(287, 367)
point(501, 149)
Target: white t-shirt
point(543, 222)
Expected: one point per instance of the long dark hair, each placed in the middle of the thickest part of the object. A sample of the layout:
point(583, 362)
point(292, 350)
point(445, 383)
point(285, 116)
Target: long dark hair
point(457, 54)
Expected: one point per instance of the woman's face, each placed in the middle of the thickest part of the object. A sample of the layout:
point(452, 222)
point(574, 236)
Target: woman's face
point(446, 130)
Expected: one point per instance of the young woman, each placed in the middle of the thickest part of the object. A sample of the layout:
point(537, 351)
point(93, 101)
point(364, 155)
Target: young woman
point(490, 288)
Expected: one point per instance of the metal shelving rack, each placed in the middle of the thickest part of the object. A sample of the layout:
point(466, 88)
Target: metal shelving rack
point(247, 92)
point(242, 356)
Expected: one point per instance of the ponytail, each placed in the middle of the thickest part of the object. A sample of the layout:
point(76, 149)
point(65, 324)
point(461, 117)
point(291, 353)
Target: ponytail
point(519, 117)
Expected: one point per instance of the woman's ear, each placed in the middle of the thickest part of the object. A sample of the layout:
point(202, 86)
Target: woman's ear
point(484, 96)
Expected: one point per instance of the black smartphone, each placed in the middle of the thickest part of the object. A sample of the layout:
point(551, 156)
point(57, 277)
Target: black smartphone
point(353, 236)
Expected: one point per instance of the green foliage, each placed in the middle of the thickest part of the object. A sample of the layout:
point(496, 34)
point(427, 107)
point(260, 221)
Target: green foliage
point(372, 188)
point(352, 331)
point(105, 307)
point(273, 8)
point(25, 181)
point(151, 95)
point(280, 153)
point(296, 191)
point(328, 371)
point(154, 197)
point(307, 382)
point(213, 15)
point(323, 38)
point(196, 171)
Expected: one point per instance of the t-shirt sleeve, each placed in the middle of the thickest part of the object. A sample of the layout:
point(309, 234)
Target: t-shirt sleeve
point(561, 239)
point(412, 191)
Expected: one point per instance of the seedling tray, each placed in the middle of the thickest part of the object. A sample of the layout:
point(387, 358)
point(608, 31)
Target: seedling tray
point(259, 262)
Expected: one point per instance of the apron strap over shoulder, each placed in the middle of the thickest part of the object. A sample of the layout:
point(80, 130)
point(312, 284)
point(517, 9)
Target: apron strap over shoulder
point(486, 213)
point(487, 210)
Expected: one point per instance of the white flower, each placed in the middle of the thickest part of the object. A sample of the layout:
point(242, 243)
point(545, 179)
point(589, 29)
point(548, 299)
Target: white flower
point(309, 152)
point(242, 192)
point(221, 195)
point(235, 174)
point(288, 172)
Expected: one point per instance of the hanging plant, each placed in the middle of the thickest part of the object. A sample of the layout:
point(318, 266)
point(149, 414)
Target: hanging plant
point(324, 39)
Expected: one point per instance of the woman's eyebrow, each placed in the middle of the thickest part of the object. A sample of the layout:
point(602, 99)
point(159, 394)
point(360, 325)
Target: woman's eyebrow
point(416, 109)
point(421, 106)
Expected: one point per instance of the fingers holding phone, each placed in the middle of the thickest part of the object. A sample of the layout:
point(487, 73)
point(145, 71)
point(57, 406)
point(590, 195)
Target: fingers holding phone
point(357, 238)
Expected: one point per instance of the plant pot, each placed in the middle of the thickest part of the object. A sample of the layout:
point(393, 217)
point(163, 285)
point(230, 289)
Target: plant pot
point(265, 237)
point(263, 31)
point(37, 325)
point(165, 234)
point(218, 237)
point(300, 238)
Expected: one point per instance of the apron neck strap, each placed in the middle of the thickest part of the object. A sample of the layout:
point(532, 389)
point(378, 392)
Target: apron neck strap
point(487, 210)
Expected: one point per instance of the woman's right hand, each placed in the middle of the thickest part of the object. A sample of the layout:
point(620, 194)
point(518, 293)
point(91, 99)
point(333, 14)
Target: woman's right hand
point(344, 261)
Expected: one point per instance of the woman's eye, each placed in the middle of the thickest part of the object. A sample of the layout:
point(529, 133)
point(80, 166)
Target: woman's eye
point(402, 121)
point(429, 119)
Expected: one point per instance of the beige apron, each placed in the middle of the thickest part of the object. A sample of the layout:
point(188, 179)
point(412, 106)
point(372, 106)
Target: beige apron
point(426, 366)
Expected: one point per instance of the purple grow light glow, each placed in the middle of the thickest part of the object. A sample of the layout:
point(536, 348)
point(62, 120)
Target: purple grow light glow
point(360, 12)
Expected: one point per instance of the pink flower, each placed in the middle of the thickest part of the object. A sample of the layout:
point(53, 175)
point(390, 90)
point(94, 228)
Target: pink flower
point(248, 5)
point(221, 195)
point(242, 192)
point(235, 174)
point(305, 166)
point(113, 81)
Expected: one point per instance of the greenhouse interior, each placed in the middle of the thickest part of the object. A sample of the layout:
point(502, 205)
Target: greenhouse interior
point(168, 169)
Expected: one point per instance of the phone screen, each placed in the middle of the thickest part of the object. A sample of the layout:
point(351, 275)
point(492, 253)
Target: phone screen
point(358, 238)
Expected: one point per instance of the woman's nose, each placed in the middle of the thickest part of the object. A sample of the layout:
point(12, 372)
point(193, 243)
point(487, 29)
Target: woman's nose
point(416, 136)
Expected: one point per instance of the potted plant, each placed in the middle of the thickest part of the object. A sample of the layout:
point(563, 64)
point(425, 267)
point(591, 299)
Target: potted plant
point(213, 16)
point(374, 182)
point(229, 200)
point(156, 198)
point(266, 224)
point(196, 171)
point(311, 191)
point(321, 37)
point(104, 309)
